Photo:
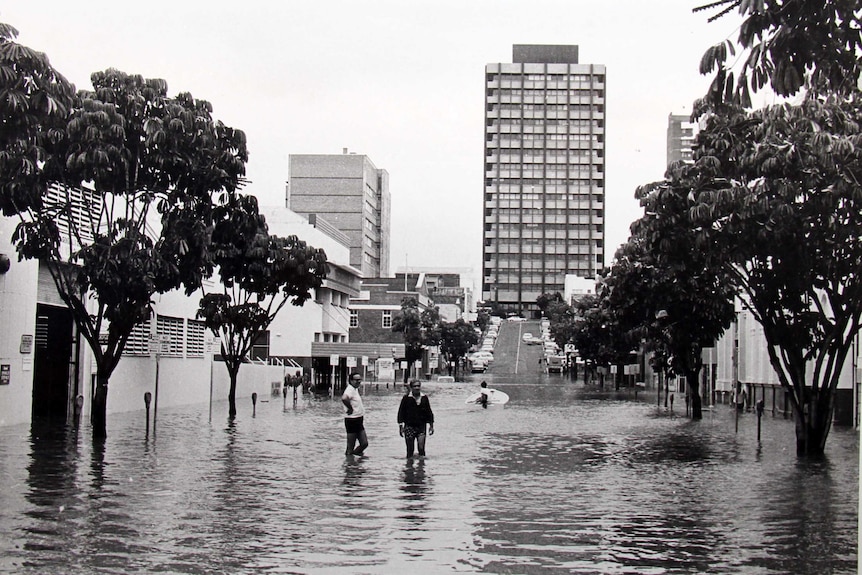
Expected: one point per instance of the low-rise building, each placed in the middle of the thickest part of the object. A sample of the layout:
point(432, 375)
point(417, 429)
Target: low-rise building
point(46, 368)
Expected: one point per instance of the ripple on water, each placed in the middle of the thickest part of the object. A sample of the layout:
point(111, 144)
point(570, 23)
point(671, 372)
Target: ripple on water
point(558, 481)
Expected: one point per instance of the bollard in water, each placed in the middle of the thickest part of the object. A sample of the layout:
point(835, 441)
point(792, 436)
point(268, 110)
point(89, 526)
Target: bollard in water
point(148, 397)
point(254, 404)
point(79, 406)
point(759, 407)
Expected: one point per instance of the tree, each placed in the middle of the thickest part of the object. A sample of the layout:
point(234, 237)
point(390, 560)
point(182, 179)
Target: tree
point(662, 292)
point(779, 208)
point(483, 318)
point(785, 43)
point(114, 197)
point(547, 299)
point(259, 274)
point(420, 328)
point(456, 339)
point(597, 336)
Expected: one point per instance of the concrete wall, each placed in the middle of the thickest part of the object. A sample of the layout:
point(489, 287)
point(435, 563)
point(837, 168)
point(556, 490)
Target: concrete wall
point(18, 289)
point(184, 382)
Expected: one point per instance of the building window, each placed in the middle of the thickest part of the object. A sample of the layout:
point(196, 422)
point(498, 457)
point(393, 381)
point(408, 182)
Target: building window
point(170, 329)
point(195, 331)
point(387, 318)
point(260, 347)
point(354, 318)
point(139, 340)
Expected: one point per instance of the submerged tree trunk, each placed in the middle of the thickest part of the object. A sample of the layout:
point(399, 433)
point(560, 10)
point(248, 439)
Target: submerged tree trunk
point(814, 423)
point(233, 371)
point(98, 417)
point(695, 401)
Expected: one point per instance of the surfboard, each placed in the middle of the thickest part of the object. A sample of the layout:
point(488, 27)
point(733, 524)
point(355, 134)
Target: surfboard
point(495, 397)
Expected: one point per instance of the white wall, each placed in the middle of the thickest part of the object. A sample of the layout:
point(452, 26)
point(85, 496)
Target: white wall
point(185, 382)
point(18, 289)
point(754, 366)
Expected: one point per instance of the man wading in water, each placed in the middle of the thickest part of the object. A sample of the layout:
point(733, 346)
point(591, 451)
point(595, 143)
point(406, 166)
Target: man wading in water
point(353, 420)
point(413, 415)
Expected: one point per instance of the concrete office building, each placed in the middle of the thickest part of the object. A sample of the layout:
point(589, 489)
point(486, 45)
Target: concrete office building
point(544, 174)
point(680, 138)
point(352, 194)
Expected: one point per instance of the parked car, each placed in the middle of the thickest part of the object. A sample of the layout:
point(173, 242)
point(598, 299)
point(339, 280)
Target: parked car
point(555, 363)
point(478, 365)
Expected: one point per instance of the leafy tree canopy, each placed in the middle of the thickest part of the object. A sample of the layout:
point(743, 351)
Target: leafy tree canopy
point(117, 181)
point(785, 43)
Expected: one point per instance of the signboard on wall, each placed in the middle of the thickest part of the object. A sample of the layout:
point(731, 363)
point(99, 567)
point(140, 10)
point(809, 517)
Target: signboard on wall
point(5, 374)
point(26, 346)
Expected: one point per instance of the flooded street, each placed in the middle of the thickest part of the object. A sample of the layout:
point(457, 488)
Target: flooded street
point(560, 480)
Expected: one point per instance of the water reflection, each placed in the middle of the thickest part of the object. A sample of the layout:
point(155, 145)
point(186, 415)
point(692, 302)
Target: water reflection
point(559, 481)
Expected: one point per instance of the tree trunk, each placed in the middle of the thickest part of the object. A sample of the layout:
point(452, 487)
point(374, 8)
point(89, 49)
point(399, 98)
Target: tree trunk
point(695, 401)
point(813, 425)
point(99, 414)
point(232, 371)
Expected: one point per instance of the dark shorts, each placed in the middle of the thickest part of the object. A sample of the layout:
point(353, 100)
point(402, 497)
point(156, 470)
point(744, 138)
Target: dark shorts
point(411, 432)
point(353, 424)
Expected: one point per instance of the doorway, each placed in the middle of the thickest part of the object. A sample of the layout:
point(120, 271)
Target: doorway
point(54, 366)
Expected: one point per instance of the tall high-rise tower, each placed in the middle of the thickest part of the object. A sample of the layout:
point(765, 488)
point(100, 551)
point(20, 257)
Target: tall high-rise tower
point(544, 174)
point(680, 138)
point(350, 193)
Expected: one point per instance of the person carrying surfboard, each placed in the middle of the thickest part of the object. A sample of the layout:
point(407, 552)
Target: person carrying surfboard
point(484, 395)
point(414, 414)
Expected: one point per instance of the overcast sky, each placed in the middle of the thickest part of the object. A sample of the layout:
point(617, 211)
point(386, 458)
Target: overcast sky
point(400, 81)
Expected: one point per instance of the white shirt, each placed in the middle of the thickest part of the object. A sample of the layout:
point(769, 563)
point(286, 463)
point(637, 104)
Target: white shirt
point(351, 394)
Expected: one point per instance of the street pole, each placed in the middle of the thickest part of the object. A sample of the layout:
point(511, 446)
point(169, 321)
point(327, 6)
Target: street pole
point(211, 388)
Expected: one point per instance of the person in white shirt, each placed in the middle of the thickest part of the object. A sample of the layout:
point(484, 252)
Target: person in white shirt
point(353, 419)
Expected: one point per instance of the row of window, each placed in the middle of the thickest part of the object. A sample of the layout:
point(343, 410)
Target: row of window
point(515, 229)
point(534, 199)
point(534, 248)
point(530, 172)
point(174, 337)
point(554, 81)
point(517, 140)
point(547, 123)
point(547, 93)
point(556, 158)
point(530, 108)
point(548, 185)
point(385, 318)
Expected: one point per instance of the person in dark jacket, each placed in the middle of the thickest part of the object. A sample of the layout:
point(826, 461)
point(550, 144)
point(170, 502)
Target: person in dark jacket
point(414, 414)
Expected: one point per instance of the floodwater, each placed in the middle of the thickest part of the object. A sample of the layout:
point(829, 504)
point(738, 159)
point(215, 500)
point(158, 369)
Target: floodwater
point(560, 480)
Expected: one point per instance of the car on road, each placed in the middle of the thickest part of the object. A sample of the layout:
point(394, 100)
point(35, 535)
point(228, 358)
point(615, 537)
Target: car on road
point(478, 365)
point(526, 337)
point(555, 363)
point(517, 318)
point(485, 355)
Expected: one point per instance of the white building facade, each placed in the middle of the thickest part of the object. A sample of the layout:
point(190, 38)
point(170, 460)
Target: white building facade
point(47, 369)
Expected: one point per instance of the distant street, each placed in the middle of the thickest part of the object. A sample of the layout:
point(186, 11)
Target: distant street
point(511, 354)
